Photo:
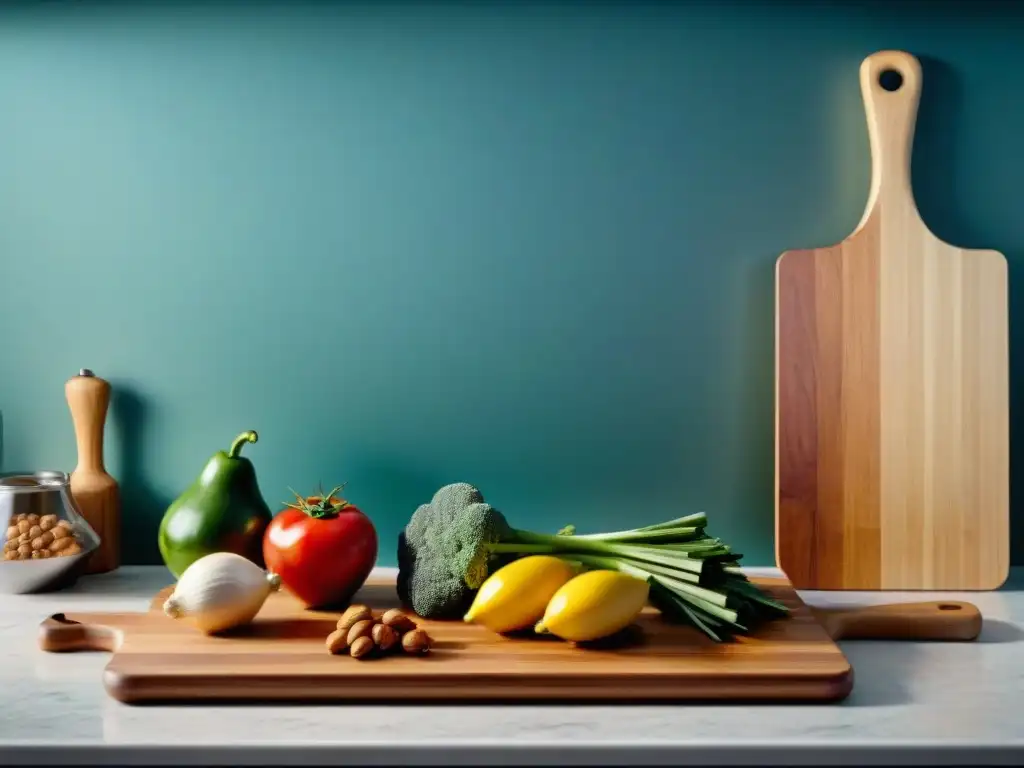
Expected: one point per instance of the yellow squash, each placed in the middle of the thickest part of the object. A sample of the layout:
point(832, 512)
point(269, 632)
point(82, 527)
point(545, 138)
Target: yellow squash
point(514, 596)
point(593, 605)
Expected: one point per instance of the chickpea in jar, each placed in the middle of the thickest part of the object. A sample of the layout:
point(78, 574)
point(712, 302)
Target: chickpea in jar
point(35, 537)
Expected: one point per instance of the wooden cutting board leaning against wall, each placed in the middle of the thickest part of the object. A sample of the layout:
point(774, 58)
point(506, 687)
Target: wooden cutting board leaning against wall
point(892, 388)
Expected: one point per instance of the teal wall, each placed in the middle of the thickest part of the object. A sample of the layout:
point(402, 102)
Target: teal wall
point(528, 246)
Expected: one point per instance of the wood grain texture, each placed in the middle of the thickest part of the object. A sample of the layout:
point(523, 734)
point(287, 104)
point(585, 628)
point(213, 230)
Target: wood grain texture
point(947, 620)
point(95, 492)
point(892, 389)
point(281, 657)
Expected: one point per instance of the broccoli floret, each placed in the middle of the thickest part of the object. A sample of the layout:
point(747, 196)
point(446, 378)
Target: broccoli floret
point(444, 552)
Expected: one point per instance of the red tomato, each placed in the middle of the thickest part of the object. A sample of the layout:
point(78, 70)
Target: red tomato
point(323, 548)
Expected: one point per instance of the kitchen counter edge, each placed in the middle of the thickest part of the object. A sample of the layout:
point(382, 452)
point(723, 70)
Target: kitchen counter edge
point(769, 753)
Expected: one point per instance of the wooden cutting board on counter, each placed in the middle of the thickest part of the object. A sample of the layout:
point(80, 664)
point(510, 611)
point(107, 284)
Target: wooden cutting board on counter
point(892, 387)
point(281, 656)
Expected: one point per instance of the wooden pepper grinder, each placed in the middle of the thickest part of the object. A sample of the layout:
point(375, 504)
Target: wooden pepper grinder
point(95, 492)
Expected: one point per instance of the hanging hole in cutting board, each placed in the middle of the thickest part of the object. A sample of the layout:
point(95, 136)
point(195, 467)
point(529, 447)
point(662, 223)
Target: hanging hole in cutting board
point(890, 80)
point(948, 607)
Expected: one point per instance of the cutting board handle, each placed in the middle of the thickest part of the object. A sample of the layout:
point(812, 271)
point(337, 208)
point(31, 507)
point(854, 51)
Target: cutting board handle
point(890, 82)
point(943, 620)
point(59, 634)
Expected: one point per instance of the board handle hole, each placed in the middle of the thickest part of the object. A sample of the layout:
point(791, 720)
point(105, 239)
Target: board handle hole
point(948, 607)
point(890, 80)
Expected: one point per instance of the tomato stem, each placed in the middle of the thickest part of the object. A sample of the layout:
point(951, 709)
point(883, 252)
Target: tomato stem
point(325, 507)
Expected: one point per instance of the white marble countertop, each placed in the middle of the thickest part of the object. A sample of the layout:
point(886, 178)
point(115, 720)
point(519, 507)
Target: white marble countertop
point(912, 703)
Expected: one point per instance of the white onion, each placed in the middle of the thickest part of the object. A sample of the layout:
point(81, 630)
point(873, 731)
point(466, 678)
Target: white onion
point(220, 591)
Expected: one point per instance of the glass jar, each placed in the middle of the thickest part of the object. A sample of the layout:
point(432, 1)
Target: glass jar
point(47, 540)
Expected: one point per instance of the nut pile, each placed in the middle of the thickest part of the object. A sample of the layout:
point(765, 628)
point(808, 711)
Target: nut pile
point(366, 636)
point(31, 537)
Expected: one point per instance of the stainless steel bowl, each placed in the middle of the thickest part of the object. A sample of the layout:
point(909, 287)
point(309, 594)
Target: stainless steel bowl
point(37, 509)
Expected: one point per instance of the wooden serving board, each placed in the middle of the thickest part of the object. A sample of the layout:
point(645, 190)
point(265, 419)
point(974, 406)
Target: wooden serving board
point(281, 656)
point(892, 388)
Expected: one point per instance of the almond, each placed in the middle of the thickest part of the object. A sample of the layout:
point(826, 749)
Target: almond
point(416, 641)
point(362, 647)
point(398, 621)
point(337, 642)
point(353, 614)
point(384, 636)
point(361, 628)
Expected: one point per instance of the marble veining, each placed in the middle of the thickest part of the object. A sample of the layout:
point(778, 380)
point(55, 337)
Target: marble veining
point(936, 694)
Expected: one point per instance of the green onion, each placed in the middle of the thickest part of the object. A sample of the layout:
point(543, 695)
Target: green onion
point(694, 578)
